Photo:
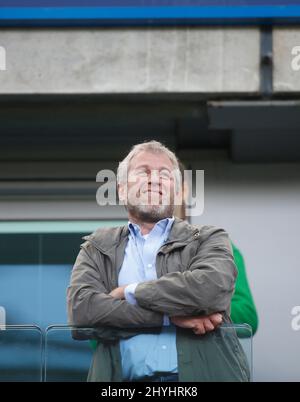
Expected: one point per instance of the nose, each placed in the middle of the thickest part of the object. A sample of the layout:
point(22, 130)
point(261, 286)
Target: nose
point(154, 181)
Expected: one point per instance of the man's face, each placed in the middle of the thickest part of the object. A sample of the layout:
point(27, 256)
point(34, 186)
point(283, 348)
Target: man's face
point(150, 188)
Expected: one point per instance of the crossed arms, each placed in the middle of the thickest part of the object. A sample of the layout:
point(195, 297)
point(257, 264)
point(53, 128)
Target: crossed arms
point(199, 324)
point(189, 298)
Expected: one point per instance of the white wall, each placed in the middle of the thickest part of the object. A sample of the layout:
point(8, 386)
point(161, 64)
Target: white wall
point(259, 205)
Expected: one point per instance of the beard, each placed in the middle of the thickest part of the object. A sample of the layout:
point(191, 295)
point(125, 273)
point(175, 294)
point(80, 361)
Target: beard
point(148, 206)
point(151, 213)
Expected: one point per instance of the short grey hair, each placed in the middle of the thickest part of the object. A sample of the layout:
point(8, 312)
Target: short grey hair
point(149, 146)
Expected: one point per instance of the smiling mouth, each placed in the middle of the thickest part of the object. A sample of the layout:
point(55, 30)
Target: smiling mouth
point(152, 191)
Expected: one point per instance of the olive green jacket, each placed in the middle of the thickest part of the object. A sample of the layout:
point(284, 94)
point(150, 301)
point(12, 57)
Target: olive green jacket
point(196, 276)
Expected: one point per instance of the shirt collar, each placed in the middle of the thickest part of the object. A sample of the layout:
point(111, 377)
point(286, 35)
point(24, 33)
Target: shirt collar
point(162, 227)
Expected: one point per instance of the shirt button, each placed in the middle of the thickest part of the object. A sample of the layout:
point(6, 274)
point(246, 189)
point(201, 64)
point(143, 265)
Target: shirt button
point(149, 265)
point(164, 347)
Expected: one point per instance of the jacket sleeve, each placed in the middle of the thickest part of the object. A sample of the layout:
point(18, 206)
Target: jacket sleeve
point(89, 303)
point(205, 286)
point(243, 308)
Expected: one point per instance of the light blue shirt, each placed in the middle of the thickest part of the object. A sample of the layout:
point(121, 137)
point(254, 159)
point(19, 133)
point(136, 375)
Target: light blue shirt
point(144, 354)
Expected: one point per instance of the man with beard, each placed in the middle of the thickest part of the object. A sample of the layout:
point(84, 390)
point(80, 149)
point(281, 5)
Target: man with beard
point(157, 289)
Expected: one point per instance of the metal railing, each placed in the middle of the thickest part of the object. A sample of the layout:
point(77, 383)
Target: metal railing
point(64, 353)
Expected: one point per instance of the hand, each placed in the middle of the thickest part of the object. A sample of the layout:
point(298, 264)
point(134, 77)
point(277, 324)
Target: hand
point(118, 293)
point(199, 324)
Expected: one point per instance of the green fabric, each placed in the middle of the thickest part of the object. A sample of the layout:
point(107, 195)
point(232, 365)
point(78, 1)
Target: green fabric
point(243, 309)
point(242, 305)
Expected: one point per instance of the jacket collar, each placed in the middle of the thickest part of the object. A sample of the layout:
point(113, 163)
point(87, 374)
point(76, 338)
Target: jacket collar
point(108, 239)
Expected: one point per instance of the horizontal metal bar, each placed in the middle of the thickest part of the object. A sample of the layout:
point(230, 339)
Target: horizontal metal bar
point(149, 15)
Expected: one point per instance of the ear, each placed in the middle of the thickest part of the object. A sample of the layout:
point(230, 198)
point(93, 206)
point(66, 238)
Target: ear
point(122, 192)
point(186, 191)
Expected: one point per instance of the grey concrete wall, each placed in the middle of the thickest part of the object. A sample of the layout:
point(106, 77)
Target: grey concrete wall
point(144, 60)
point(140, 60)
point(286, 48)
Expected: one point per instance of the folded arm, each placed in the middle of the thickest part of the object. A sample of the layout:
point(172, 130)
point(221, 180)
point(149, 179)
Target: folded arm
point(90, 304)
point(204, 288)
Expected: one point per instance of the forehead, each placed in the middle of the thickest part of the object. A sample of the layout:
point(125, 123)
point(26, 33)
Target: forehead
point(151, 160)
